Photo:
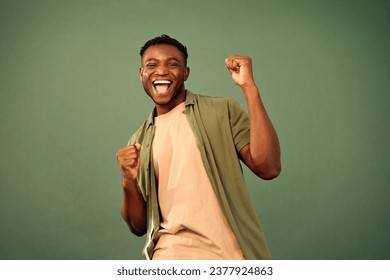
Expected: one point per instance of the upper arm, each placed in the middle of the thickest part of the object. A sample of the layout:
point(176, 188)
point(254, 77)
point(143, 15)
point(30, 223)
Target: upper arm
point(245, 156)
point(265, 173)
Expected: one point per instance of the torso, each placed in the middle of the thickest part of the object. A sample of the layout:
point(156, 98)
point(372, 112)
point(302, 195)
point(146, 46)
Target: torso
point(192, 224)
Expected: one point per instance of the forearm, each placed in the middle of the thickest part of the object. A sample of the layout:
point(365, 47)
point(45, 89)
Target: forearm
point(264, 143)
point(133, 208)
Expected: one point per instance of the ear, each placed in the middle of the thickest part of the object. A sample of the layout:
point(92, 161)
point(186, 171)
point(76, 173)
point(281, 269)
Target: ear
point(186, 73)
point(141, 72)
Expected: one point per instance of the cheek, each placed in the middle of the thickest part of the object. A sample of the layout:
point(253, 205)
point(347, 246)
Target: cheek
point(144, 77)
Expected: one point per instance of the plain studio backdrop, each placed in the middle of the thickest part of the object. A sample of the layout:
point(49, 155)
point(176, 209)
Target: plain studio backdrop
point(70, 97)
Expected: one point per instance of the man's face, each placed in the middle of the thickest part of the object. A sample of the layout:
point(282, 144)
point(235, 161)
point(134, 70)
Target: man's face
point(163, 73)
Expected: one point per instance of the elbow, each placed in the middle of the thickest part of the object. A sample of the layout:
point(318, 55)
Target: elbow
point(136, 226)
point(137, 232)
point(268, 172)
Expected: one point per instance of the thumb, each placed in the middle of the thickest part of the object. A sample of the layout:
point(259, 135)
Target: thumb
point(232, 65)
point(227, 62)
point(138, 147)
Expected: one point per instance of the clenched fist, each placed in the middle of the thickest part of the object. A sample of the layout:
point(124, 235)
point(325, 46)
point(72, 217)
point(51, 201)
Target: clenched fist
point(240, 67)
point(129, 161)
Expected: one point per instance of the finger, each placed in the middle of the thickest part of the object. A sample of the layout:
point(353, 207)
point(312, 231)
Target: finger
point(127, 149)
point(129, 163)
point(233, 63)
point(132, 149)
point(132, 163)
point(138, 147)
point(127, 154)
point(230, 65)
point(135, 155)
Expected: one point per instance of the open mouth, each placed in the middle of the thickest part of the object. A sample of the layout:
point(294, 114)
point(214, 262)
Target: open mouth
point(162, 86)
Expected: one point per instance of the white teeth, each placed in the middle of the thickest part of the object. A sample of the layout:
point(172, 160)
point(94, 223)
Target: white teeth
point(162, 82)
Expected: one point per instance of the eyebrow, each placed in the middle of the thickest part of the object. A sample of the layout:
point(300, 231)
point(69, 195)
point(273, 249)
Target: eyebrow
point(170, 58)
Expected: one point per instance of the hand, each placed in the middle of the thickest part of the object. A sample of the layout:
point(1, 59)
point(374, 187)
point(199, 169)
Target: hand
point(240, 67)
point(129, 161)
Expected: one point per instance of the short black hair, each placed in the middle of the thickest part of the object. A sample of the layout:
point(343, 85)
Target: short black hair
point(167, 40)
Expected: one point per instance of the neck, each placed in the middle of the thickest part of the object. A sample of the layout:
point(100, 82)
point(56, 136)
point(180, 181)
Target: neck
point(165, 108)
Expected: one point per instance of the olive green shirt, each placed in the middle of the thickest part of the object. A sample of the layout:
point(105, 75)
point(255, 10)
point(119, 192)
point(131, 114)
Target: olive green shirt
point(221, 129)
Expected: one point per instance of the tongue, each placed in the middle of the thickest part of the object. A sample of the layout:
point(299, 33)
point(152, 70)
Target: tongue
point(162, 88)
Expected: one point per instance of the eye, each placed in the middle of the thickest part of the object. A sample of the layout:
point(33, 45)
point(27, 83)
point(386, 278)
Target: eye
point(150, 65)
point(173, 65)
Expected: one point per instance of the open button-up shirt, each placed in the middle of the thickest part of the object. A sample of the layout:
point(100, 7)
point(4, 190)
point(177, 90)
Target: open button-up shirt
point(221, 128)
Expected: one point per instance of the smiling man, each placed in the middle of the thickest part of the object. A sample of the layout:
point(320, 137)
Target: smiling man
point(163, 72)
point(182, 180)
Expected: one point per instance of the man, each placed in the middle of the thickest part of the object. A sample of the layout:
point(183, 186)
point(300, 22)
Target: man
point(182, 180)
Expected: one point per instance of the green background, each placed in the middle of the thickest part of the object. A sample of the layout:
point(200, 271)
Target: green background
point(70, 97)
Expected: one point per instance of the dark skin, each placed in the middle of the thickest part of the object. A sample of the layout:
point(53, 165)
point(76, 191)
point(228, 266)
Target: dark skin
point(166, 64)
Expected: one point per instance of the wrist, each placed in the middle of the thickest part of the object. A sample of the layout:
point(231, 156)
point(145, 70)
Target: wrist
point(128, 183)
point(250, 88)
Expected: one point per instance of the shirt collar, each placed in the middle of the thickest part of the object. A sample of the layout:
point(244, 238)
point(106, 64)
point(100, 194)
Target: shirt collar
point(189, 101)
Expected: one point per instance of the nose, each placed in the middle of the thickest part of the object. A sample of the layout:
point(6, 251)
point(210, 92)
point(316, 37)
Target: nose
point(162, 70)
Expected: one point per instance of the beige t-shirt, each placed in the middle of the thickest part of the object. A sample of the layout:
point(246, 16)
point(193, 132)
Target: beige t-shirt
point(192, 225)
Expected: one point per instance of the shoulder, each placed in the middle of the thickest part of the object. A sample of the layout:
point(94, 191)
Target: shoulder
point(216, 102)
point(209, 98)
